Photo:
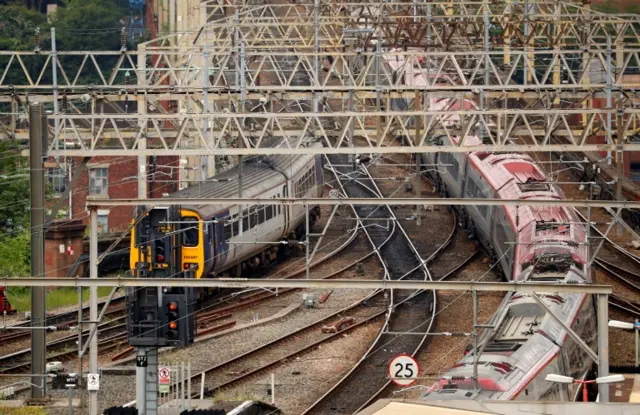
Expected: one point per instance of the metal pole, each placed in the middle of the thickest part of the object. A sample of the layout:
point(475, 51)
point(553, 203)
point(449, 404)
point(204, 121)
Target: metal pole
point(307, 258)
point(316, 52)
point(603, 345)
point(482, 132)
point(589, 261)
point(141, 374)
point(38, 337)
point(93, 306)
point(350, 109)
point(69, 392)
point(14, 117)
point(54, 87)
point(204, 164)
point(80, 342)
point(182, 386)
point(189, 385)
point(619, 159)
point(273, 389)
point(637, 340)
point(202, 385)
point(474, 295)
point(142, 111)
point(417, 143)
point(609, 92)
point(240, 74)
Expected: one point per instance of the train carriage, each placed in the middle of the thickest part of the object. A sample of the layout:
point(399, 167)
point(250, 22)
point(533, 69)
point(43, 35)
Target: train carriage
point(233, 239)
point(534, 243)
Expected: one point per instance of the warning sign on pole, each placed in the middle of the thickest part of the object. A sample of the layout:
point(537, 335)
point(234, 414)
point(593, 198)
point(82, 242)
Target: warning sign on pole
point(403, 370)
point(164, 379)
point(93, 382)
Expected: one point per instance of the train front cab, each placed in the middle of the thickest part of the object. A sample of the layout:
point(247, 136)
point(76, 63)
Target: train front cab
point(189, 231)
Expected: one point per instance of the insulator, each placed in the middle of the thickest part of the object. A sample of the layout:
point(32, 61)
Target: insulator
point(37, 39)
point(65, 102)
point(127, 78)
point(123, 39)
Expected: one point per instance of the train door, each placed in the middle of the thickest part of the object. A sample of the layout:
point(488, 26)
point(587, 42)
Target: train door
point(285, 209)
point(504, 239)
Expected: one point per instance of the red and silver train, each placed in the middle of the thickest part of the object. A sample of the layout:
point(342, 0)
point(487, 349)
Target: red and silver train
point(525, 243)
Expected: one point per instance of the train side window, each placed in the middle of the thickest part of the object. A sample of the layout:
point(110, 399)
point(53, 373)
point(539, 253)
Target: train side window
point(235, 225)
point(245, 220)
point(451, 164)
point(268, 210)
point(189, 228)
point(279, 207)
point(228, 228)
point(261, 214)
point(253, 217)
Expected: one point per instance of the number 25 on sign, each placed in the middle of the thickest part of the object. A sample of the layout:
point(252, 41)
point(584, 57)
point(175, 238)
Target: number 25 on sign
point(403, 370)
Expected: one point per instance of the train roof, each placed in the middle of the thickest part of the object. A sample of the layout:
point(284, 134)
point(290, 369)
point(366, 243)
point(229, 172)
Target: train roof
point(258, 176)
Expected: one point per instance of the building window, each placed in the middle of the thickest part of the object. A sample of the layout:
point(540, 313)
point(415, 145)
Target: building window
point(635, 172)
point(57, 179)
point(103, 221)
point(98, 182)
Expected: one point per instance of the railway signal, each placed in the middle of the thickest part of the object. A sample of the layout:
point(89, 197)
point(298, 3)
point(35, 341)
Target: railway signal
point(172, 317)
point(178, 319)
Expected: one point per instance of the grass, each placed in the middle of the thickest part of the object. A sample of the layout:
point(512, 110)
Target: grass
point(20, 298)
point(22, 411)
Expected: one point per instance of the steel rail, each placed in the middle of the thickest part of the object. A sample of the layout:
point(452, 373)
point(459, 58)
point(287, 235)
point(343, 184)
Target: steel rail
point(394, 308)
point(448, 274)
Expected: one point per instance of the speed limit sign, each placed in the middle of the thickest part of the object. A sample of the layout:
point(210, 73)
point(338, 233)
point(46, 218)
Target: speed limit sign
point(403, 370)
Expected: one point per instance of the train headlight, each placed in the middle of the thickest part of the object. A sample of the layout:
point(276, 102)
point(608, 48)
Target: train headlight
point(189, 265)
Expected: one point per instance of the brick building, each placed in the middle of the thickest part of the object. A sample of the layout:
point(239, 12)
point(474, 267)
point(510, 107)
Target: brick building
point(111, 178)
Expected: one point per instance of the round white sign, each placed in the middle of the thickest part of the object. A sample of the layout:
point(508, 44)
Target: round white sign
point(403, 370)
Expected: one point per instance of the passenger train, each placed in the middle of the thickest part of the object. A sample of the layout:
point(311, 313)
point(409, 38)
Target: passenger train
point(524, 243)
point(229, 240)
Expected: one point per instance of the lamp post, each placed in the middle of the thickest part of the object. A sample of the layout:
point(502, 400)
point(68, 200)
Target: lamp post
point(628, 326)
point(568, 380)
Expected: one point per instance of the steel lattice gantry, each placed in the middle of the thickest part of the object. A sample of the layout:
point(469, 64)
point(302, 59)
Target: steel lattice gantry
point(340, 70)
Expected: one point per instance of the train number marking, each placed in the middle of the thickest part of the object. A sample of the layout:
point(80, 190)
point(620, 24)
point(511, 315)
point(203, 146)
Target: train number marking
point(403, 370)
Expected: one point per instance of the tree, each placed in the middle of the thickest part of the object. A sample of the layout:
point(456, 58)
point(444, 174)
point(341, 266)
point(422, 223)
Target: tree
point(89, 25)
point(14, 189)
point(14, 211)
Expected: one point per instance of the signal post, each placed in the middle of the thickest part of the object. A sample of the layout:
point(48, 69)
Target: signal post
point(158, 316)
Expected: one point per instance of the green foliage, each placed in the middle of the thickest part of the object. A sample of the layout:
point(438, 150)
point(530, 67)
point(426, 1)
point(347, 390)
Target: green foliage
point(81, 25)
point(14, 190)
point(15, 255)
point(89, 25)
point(18, 25)
point(20, 297)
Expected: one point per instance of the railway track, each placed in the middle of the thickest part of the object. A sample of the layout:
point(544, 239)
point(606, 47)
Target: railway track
point(253, 362)
point(61, 321)
point(411, 311)
point(112, 331)
point(630, 278)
